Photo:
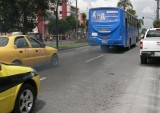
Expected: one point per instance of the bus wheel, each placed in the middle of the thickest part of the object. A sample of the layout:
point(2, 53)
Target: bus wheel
point(104, 48)
point(134, 45)
point(129, 46)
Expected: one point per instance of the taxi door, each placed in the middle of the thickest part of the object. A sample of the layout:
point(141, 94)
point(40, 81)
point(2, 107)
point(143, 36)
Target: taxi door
point(22, 50)
point(5, 93)
point(38, 51)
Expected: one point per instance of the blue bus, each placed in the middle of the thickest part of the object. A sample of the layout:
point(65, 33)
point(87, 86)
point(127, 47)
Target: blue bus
point(112, 27)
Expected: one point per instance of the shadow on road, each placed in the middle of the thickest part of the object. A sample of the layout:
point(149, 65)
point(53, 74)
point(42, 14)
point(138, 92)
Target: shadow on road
point(118, 50)
point(44, 67)
point(38, 105)
point(153, 62)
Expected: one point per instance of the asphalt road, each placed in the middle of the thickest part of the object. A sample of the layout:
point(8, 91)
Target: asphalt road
point(90, 81)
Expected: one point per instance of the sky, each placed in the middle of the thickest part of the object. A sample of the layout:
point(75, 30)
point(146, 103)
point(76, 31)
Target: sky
point(144, 8)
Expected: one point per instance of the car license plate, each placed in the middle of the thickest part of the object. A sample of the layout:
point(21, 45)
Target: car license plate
point(157, 53)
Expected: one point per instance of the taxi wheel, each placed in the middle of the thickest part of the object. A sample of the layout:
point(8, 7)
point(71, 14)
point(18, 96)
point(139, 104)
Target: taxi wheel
point(25, 100)
point(54, 61)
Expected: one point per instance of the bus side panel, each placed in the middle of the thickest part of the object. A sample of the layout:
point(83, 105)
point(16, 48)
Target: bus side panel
point(132, 31)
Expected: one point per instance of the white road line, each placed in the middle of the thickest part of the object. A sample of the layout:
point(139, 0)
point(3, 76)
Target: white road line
point(93, 58)
point(43, 78)
point(85, 50)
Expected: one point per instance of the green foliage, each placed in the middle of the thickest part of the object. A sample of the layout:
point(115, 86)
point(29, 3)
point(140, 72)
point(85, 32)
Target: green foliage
point(71, 22)
point(156, 23)
point(61, 28)
point(124, 4)
point(132, 11)
point(20, 14)
point(7, 15)
point(140, 23)
point(143, 31)
point(84, 16)
point(63, 25)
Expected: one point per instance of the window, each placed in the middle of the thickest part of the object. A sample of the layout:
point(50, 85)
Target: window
point(21, 42)
point(60, 12)
point(153, 33)
point(34, 43)
point(3, 41)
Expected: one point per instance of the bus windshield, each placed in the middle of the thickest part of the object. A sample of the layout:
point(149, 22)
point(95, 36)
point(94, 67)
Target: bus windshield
point(104, 15)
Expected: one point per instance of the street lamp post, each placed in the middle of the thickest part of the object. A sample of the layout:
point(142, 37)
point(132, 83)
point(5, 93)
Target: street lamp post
point(149, 18)
point(157, 9)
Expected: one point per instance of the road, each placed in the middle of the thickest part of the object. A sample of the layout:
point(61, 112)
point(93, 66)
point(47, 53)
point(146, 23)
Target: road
point(90, 81)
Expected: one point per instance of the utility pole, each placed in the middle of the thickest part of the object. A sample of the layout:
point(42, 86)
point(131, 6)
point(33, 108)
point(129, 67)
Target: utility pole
point(76, 20)
point(57, 38)
point(157, 9)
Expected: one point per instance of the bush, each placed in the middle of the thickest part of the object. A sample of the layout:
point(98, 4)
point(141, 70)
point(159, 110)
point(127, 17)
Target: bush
point(156, 23)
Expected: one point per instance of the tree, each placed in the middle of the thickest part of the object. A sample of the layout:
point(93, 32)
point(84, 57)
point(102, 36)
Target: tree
point(62, 27)
point(83, 24)
point(20, 14)
point(143, 30)
point(132, 11)
point(156, 23)
point(84, 18)
point(140, 23)
point(8, 14)
point(124, 4)
point(71, 22)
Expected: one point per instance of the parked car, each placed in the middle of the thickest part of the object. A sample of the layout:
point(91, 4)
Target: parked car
point(150, 45)
point(24, 50)
point(19, 87)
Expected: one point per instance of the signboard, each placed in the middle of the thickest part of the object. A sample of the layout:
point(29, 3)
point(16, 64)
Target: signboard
point(104, 15)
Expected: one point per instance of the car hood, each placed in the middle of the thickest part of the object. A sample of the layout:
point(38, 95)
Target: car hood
point(9, 70)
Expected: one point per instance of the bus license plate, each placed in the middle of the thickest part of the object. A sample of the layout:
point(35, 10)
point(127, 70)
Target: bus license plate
point(157, 53)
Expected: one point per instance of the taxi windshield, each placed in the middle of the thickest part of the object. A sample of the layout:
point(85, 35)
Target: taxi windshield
point(3, 41)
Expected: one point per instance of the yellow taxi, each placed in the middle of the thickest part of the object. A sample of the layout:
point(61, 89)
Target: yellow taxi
point(19, 87)
point(25, 50)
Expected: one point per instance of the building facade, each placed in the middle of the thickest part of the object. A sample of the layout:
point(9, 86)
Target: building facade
point(64, 9)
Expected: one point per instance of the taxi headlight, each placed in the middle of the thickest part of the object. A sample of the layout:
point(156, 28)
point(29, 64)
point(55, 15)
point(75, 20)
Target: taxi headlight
point(34, 73)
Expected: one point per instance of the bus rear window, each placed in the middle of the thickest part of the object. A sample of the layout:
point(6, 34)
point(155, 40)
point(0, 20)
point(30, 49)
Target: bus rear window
point(104, 15)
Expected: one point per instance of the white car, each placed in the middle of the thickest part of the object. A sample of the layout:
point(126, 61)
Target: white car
point(150, 45)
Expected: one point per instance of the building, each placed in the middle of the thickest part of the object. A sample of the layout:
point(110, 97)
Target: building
point(64, 9)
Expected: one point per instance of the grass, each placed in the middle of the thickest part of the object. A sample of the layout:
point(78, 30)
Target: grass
point(67, 45)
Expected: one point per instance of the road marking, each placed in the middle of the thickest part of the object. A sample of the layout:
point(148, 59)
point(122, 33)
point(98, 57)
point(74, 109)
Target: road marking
point(85, 50)
point(43, 78)
point(93, 58)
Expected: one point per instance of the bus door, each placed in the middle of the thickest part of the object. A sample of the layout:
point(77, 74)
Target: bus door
point(126, 31)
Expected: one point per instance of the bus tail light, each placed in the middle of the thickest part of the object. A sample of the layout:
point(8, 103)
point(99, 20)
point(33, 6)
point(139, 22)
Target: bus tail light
point(141, 45)
point(104, 37)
